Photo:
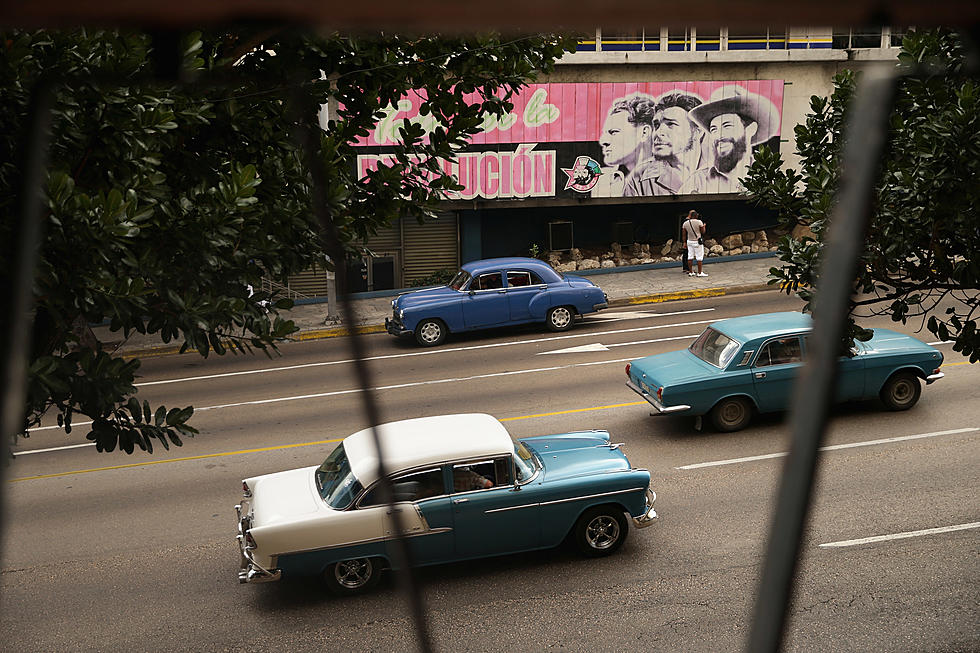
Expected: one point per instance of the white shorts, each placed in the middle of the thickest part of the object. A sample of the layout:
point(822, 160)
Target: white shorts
point(695, 251)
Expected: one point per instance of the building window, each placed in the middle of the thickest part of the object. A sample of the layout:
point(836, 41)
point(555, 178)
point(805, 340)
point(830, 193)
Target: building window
point(708, 40)
point(620, 40)
point(679, 39)
point(755, 38)
point(851, 39)
point(897, 34)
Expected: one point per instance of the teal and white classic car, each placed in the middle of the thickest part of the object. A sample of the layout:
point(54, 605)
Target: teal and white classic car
point(743, 365)
point(463, 488)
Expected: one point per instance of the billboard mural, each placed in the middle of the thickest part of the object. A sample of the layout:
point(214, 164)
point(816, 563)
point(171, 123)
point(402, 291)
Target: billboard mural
point(605, 139)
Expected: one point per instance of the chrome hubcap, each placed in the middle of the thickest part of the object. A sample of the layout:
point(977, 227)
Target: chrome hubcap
point(902, 392)
point(732, 412)
point(353, 573)
point(431, 332)
point(602, 532)
point(560, 317)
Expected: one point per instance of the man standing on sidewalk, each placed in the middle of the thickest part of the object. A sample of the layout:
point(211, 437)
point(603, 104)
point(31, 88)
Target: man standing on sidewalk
point(694, 233)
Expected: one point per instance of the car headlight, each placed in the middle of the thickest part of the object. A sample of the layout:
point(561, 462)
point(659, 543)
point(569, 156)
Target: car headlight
point(401, 313)
point(393, 303)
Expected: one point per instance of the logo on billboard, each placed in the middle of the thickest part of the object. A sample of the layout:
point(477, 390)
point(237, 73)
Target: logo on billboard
point(583, 175)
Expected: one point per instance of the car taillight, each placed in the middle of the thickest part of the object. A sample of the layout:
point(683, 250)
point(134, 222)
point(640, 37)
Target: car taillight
point(249, 540)
point(245, 489)
point(935, 371)
point(628, 368)
point(660, 393)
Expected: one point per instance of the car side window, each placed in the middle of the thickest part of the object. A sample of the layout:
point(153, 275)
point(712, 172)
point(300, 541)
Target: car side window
point(413, 486)
point(482, 474)
point(780, 352)
point(489, 281)
point(518, 279)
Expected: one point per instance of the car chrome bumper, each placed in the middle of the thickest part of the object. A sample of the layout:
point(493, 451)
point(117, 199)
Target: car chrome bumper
point(600, 306)
point(650, 515)
point(255, 574)
point(659, 407)
point(395, 328)
point(251, 571)
point(934, 377)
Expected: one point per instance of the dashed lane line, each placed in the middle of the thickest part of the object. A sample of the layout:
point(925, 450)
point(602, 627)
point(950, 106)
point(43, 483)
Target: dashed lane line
point(835, 447)
point(900, 536)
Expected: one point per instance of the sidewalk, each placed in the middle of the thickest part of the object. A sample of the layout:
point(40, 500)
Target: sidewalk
point(659, 283)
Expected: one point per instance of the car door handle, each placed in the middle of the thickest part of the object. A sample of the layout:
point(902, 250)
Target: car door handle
point(460, 500)
point(502, 290)
point(760, 375)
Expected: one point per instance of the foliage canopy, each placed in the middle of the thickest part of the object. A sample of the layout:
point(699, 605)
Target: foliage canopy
point(919, 257)
point(163, 202)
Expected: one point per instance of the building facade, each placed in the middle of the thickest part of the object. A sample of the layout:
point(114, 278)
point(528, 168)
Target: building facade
point(625, 136)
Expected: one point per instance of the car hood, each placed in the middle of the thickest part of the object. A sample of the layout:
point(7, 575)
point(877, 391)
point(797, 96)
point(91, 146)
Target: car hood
point(425, 296)
point(670, 369)
point(284, 496)
point(886, 341)
point(576, 454)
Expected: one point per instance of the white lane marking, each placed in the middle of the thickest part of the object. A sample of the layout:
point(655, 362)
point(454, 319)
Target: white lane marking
point(427, 352)
point(606, 316)
point(601, 347)
point(67, 446)
point(835, 447)
point(901, 536)
point(335, 393)
point(598, 346)
point(644, 342)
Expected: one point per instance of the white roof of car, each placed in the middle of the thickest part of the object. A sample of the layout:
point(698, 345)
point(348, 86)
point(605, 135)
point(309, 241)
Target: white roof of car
point(411, 443)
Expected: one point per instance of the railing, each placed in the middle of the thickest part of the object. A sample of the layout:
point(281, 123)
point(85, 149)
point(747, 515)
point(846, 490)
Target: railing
point(279, 290)
point(688, 40)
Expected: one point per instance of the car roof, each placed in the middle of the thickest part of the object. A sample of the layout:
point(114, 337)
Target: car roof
point(477, 267)
point(423, 441)
point(766, 325)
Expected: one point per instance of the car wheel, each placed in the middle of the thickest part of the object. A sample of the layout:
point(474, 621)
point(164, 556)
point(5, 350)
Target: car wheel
point(601, 531)
point(430, 332)
point(560, 318)
point(901, 391)
point(349, 577)
point(731, 414)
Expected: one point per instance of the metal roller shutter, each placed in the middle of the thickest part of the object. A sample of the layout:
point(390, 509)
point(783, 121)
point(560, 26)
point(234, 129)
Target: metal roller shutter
point(387, 242)
point(430, 247)
point(310, 283)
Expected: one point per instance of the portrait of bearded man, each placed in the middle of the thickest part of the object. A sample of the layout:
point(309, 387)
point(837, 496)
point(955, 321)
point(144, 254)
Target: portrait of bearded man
point(735, 120)
point(675, 148)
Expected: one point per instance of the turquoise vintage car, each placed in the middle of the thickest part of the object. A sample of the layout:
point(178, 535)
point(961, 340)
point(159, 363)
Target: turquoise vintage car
point(744, 365)
point(492, 293)
point(463, 488)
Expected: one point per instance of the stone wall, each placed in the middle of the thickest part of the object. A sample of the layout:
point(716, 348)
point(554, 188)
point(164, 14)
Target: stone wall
point(617, 255)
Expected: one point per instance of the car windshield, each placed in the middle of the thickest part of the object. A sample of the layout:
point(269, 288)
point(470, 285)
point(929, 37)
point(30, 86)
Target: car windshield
point(459, 280)
point(335, 481)
point(524, 461)
point(715, 347)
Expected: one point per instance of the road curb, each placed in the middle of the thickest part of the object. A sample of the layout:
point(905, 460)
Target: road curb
point(698, 293)
point(654, 298)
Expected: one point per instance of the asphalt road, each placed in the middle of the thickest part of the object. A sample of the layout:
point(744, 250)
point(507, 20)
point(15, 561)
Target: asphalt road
point(108, 552)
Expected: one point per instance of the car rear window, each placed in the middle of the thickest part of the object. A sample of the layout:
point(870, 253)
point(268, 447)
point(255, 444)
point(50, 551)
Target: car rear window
point(715, 347)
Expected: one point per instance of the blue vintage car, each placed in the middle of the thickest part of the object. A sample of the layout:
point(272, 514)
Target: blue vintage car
point(458, 498)
point(745, 365)
point(491, 293)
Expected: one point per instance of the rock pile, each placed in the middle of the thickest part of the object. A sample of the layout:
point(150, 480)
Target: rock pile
point(748, 242)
